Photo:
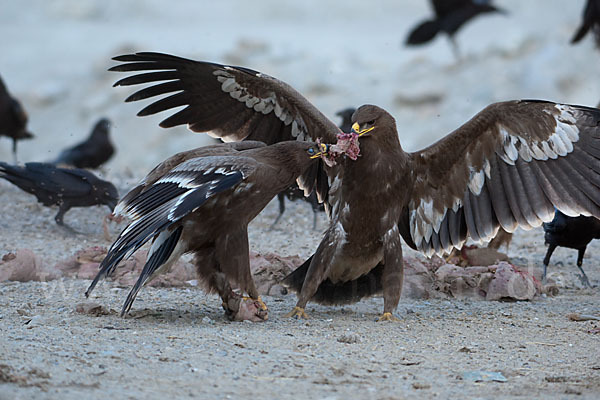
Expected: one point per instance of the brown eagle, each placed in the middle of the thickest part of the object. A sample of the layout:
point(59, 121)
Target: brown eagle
point(201, 201)
point(509, 166)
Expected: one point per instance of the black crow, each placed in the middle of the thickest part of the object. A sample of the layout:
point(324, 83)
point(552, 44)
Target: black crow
point(62, 187)
point(450, 16)
point(13, 118)
point(91, 153)
point(346, 116)
point(572, 232)
point(201, 202)
point(591, 20)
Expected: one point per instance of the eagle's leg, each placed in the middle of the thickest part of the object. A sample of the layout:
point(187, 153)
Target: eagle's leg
point(216, 280)
point(233, 257)
point(315, 275)
point(393, 274)
point(237, 308)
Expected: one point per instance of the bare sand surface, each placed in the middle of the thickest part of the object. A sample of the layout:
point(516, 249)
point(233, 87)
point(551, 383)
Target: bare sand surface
point(177, 343)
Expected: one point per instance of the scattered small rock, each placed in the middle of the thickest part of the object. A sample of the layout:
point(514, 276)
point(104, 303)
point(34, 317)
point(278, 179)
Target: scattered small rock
point(9, 257)
point(483, 376)
point(572, 390)
point(24, 312)
point(94, 309)
point(550, 289)
point(418, 385)
point(510, 283)
point(8, 376)
point(408, 363)
point(556, 379)
point(35, 321)
point(349, 338)
point(269, 269)
point(33, 377)
point(24, 265)
point(582, 317)
point(114, 328)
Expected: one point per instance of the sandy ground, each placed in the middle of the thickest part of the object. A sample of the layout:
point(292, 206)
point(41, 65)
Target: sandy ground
point(178, 343)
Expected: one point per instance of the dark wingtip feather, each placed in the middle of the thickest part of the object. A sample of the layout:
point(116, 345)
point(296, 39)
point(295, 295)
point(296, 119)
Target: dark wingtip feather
point(166, 123)
point(126, 57)
point(148, 56)
point(166, 103)
point(158, 258)
point(94, 282)
point(579, 34)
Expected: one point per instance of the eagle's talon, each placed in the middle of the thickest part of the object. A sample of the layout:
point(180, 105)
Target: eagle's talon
point(297, 312)
point(262, 303)
point(387, 316)
point(263, 306)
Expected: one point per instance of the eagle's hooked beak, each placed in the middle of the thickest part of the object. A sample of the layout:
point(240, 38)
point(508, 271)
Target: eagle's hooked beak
point(324, 151)
point(356, 129)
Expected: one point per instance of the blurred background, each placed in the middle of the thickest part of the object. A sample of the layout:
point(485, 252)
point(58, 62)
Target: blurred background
point(55, 56)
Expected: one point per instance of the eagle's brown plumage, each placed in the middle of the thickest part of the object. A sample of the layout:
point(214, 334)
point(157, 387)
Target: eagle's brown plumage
point(201, 201)
point(509, 165)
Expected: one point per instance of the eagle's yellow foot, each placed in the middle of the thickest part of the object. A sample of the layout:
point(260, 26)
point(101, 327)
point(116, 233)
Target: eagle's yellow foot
point(387, 316)
point(238, 308)
point(263, 306)
point(297, 312)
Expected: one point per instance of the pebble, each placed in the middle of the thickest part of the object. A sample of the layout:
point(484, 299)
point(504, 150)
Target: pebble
point(349, 338)
point(35, 321)
point(483, 376)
